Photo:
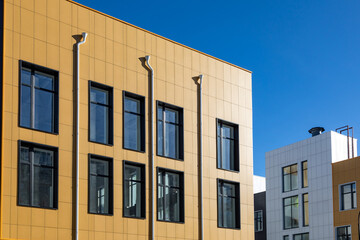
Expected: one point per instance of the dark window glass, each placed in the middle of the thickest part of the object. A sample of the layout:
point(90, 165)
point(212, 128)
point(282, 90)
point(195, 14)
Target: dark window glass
point(258, 221)
point(134, 122)
point(343, 233)
point(101, 112)
point(290, 178)
point(134, 190)
point(37, 176)
point(228, 204)
point(170, 131)
point(306, 209)
point(302, 236)
point(227, 146)
point(38, 98)
point(100, 185)
point(348, 196)
point(304, 174)
point(291, 212)
point(286, 237)
point(170, 200)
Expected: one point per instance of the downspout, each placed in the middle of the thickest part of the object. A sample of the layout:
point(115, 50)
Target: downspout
point(151, 144)
point(201, 160)
point(84, 35)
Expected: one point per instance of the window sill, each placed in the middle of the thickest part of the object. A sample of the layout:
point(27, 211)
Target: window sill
point(140, 218)
point(228, 170)
point(234, 228)
point(103, 214)
point(106, 144)
point(178, 159)
point(133, 150)
point(180, 222)
point(38, 130)
point(46, 208)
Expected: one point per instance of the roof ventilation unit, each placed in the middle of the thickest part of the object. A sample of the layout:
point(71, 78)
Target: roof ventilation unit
point(316, 131)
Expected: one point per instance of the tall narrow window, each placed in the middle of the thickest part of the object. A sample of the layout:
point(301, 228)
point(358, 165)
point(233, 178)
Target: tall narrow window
point(100, 185)
point(101, 113)
point(170, 131)
point(134, 122)
point(348, 196)
point(38, 98)
point(227, 146)
point(37, 175)
point(228, 204)
point(306, 209)
point(301, 236)
point(170, 200)
point(290, 178)
point(291, 212)
point(134, 190)
point(258, 215)
point(343, 233)
point(304, 168)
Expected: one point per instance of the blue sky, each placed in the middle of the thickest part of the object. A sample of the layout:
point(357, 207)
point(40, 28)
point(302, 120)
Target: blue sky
point(305, 56)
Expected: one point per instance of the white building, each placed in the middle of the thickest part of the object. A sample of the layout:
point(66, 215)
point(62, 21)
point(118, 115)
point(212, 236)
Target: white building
point(299, 187)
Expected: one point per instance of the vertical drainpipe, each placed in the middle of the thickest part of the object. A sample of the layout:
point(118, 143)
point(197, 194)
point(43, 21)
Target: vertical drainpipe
point(84, 35)
point(151, 144)
point(201, 160)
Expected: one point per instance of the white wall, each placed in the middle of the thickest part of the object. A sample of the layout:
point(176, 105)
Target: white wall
point(320, 151)
point(259, 184)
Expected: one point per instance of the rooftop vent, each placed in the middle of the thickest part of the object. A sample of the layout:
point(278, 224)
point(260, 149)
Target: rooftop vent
point(316, 131)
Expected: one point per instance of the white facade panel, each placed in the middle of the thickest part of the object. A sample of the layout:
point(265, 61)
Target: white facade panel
point(319, 151)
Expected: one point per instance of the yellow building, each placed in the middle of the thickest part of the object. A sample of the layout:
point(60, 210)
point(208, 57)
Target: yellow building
point(346, 181)
point(191, 186)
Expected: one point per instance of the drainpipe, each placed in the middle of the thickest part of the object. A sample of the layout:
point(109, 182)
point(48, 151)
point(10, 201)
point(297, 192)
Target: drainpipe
point(84, 35)
point(201, 160)
point(152, 144)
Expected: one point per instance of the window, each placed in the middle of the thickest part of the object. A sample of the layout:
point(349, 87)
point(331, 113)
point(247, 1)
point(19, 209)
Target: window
point(343, 233)
point(100, 185)
point(170, 200)
point(134, 122)
point(170, 131)
point(38, 98)
point(291, 212)
point(304, 174)
point(286, 237)
point(348, 196)
point(101, 113)
point(302, 236)
point(305, 209)
point(290, 178)
point(228, 204)
point(227, 146)
point(258, 221)
point(37, 175)
point(134, 190)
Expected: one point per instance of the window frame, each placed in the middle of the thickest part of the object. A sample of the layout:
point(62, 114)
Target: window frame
point(236, 145)
point(143, 188)
point(110, 91)
point(180, 111)
point(237, 203)
point(303, 209)
point(341, 200)
point(261, 219)
point(336, 231)
point(302, 174)
point(283, 209)
point(111, 183)
point(142, 120)
point(34, 67)
point(301, 234)
point(283, 182)
point(55, 151)
point(182, 194)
